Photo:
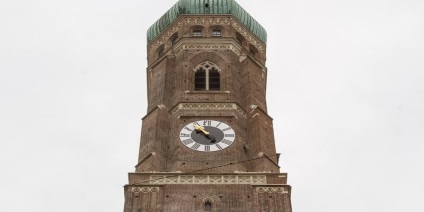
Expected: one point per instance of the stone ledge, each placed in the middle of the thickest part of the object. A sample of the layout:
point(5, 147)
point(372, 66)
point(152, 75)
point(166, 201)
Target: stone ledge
point(208, 179)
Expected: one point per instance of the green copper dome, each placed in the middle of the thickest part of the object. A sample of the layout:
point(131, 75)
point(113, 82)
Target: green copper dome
point(199, 7)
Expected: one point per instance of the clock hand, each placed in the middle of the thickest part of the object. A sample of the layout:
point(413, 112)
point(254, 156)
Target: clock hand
point(205, 133)
point(213, 139)
point(200, 129)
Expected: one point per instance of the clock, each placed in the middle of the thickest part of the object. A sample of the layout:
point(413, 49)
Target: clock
point(207, 135)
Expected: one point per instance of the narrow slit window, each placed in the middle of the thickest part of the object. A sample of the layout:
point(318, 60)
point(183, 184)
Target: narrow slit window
point(208, 206)
point(161, 52)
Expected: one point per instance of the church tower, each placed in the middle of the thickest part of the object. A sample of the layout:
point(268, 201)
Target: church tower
point(207, 141)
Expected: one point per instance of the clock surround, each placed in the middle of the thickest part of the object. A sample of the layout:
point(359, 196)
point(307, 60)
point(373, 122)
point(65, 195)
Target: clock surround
point(214, 136)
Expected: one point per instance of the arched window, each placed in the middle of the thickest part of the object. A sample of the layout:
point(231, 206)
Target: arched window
point(254, 51)
point(173, 39)
point(207, 77)
point(240, 39)
point(208, 205)
point(160, 51)
point(197, 31)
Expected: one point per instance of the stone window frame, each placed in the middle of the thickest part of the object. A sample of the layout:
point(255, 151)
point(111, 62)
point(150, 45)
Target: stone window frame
point(197, 31)
point(173, 39)
point(240, 39)
point(254, 52)
point(216, 31)
point(160, 51)
point(208, 204)
point(207, 67)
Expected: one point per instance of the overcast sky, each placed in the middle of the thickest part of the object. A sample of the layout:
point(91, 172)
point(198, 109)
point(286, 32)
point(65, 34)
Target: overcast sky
point(345, 89)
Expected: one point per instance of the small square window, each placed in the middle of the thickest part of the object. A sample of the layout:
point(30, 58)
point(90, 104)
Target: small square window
point(216, 33)
point(197, 33)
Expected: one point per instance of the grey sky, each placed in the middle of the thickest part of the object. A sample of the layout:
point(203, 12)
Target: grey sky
point(345, 89)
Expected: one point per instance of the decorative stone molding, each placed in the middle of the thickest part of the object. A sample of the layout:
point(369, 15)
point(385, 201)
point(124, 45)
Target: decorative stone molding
point(145, 189)
point(208, 106)
point(207, 66)
point(279, 190)
point(248, 36)
point(206, 21)
point(211, 179)
point(221, 47)
point(208, 199)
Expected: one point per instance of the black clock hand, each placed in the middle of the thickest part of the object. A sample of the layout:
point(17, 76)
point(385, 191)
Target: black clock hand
point(212, 138)
point(208, 136)
point(204, 132)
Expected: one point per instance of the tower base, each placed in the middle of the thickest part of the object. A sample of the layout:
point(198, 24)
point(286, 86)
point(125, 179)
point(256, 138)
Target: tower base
point(178, 192)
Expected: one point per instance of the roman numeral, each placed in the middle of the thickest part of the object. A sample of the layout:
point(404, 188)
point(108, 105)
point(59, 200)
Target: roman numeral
point(218, 146)
point(207, 148)
point(196, 123)
point(207, 123)
point(188, 129)
point(229, 135)
point(229, 128)
point(225, 141)
point(184, 135)
point(218, 124)
point(187, 141)
point(195, 146)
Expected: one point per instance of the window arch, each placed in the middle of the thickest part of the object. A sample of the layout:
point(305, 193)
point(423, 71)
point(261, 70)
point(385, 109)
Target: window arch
point(197, 31)
point(208, 204)
point(207, 77)
point(173, 39)
point(216, 31)
point(240, 39)
point(253, 51)
point(160, 51)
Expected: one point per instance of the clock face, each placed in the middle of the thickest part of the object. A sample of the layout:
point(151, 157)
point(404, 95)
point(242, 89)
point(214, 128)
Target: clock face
point(207, 135)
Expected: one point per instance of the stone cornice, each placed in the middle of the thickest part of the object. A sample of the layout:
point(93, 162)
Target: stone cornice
point(208, 179)
point(207, 106)
point(205, 20)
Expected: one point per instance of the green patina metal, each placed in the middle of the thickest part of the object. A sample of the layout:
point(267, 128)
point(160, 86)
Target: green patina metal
point(199, 7)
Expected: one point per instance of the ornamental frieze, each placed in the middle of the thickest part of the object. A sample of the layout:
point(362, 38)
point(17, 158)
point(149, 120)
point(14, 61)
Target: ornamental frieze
point(279, 190)
point(208, 106)
point(212, 179)
point(221, 47)
point(145, 189)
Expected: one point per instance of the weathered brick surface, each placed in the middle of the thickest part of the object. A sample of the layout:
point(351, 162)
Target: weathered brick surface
point(148, 196)
point(240, 103)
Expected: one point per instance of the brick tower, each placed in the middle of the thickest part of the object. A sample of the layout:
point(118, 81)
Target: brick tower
point(207, 142)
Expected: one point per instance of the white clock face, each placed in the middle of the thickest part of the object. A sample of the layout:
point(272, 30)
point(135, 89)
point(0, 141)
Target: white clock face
point(207, 135)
